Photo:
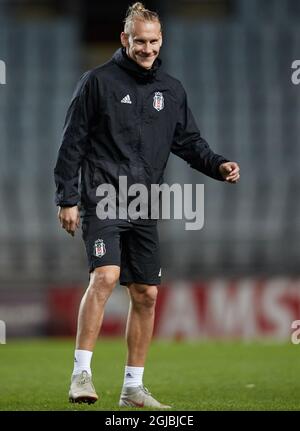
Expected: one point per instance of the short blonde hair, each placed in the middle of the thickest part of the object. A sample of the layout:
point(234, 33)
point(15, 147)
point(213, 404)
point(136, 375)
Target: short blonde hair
point(138, 11)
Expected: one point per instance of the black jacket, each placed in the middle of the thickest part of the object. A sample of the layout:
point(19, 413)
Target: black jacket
point(107, 137)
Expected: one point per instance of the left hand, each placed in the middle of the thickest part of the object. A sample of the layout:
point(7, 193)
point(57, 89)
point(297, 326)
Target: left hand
point(230, 171)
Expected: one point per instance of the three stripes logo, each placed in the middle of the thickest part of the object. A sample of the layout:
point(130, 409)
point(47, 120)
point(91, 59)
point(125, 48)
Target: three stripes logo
point(126, 99)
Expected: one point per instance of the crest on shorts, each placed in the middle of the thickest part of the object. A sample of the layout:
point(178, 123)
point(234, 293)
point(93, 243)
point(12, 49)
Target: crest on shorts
point(99, 248)
point(158, 101)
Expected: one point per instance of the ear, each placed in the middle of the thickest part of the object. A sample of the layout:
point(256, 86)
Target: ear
point(124, 39)
point(160, 41)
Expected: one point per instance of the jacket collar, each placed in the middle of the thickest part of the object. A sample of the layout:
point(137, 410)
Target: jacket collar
point(121, 58)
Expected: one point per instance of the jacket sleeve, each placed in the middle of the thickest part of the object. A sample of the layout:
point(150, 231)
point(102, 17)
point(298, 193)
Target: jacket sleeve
point(191, 147)
point(75, 141)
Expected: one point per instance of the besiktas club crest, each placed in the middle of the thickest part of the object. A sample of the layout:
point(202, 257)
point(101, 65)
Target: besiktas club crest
point(158, 101)
point(99, 248)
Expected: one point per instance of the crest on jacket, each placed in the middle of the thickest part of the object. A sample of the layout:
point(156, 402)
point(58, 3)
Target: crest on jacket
point(158, 101)
point(99, 248)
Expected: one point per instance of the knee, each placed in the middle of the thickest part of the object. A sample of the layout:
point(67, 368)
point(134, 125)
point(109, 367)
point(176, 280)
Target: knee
point(103, 281)
point(144, 297)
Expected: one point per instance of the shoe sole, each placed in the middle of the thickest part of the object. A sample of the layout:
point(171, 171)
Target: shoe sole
point(129, 403)
point(134, 404)
point(83, 399)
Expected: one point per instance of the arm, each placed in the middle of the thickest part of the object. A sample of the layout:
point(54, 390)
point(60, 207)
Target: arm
point(75, 142)
point(191, 147)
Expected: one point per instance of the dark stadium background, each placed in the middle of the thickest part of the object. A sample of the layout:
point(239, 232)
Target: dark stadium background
point(238, 277)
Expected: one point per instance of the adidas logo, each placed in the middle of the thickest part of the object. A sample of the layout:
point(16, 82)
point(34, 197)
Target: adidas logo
point(126, 99)
point(128, 374)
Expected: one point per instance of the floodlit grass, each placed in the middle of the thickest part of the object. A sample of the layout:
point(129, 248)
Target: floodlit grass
point(35, 375)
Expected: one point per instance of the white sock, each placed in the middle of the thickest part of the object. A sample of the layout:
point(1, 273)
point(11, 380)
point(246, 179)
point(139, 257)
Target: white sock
point(82, 361)
point(133, 376)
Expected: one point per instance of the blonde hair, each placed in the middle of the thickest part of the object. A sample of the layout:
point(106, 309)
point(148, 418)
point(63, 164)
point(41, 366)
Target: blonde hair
point(138, 11)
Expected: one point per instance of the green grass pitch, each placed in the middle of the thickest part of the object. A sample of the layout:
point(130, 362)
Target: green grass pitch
point(35, 375)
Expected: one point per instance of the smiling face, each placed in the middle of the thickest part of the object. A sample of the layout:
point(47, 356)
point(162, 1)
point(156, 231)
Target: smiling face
point(143, 42)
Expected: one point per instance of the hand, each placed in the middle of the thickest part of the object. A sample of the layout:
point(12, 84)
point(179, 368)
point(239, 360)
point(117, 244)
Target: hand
point(230, 171)
point(69, 219)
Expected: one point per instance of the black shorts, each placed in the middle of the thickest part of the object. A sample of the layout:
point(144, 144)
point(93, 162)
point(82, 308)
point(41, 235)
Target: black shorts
point(134, 247)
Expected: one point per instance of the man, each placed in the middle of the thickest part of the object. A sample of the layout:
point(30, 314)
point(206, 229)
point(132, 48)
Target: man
point(124, 120)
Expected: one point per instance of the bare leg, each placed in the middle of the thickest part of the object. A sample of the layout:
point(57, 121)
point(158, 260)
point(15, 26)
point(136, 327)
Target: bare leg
point(90, 317)
point(140, 322)
point(138, 334)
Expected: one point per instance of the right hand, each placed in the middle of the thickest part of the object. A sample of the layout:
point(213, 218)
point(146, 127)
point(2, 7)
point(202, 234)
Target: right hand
point(69, 218)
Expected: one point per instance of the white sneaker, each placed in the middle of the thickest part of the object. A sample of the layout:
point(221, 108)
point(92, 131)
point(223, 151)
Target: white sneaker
point(82, 389)
point(139, 397)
